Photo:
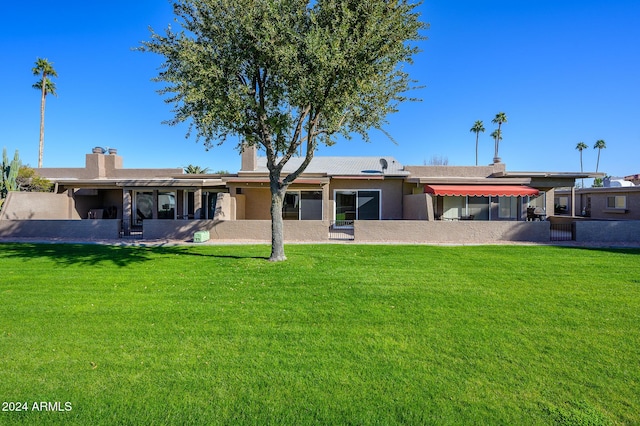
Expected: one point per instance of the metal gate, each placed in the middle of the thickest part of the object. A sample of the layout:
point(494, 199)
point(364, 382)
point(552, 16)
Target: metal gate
point(128, 231)
point(341, 230)
point(563, 231)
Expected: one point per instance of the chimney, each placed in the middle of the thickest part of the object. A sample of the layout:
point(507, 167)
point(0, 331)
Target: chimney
point(102, 165)
point(249, 157)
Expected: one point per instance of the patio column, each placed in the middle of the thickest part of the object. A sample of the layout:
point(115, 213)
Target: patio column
point(154, 207)
point(573, 201)
point(197, 204)
point(126, 211)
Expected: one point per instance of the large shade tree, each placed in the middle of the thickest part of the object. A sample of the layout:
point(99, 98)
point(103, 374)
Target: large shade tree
point(499, 119)
point(44, 69)
point(478, 127)
point(286, 74)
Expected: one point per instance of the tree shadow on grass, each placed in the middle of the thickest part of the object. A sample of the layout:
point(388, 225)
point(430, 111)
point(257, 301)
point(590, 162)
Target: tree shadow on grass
point(94, 254)
point(77, 254)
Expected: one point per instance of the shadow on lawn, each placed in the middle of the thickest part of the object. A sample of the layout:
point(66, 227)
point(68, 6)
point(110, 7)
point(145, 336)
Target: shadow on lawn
point(73, 254)
point(608, 249)
point(93, 254)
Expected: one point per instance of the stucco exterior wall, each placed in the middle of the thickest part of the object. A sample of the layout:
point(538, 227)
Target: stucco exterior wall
point(38, 205)
point(254, 230)
point(67, 230)
point(416, 207)
point(257, 203)
point(391, 196)
point(608, 231)
point(460, 232)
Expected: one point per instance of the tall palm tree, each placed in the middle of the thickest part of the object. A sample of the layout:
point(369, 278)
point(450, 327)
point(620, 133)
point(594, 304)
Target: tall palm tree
point(599, 145)
point(45, 69)
point(478, 127)
point(500, 118)
point(581, 147)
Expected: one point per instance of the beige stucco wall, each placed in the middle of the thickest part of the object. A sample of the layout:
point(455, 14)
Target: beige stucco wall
point(67, 230)
point(38, 205)
point(459, 232)
point(391, 193)
point(608, 231)
point(254, 230)
point(415, 207)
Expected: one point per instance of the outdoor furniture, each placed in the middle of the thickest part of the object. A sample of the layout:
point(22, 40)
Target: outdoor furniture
point(535, 213)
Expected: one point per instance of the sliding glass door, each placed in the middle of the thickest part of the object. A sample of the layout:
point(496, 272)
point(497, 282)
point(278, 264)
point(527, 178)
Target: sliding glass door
point(358, 205)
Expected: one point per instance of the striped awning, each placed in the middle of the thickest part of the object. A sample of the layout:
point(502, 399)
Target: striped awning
point(481, 190)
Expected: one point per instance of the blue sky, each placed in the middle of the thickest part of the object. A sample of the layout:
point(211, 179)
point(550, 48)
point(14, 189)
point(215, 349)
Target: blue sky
point(563, 72)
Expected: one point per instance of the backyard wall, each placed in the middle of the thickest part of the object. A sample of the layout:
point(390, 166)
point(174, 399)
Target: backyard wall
point(38, 205)
point(258, 230)
point(608, 231)
point(97, 229)
point(471, 231)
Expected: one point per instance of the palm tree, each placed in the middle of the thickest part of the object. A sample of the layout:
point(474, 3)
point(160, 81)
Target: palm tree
point(45, 69)
point(600, 145)
point(497, 137)
point(500, 118)
point(580, 147)
point(478, 127)
point(195, 170)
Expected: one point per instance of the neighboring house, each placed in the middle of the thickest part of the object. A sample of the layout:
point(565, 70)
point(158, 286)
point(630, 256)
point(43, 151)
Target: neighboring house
point(167, 203)
point(611, 203)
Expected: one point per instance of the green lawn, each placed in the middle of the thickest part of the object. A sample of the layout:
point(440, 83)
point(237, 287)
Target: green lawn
point(338, 334)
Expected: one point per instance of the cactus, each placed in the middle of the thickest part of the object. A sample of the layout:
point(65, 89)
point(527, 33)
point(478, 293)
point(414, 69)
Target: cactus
point(9, 173)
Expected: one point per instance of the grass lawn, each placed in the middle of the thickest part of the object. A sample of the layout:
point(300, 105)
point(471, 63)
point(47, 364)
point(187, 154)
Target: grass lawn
point(338, 334)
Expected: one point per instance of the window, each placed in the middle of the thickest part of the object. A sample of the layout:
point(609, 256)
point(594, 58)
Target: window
point(454, 207)
point(478, 207)
point(166, 205)
point(142, 206)
point(508, 207)
point(304, 205)
point(617, 202)
point(358, 205)
point(561, 205)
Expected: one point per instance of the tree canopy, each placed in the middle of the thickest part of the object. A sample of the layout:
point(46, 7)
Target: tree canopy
point(286, 74)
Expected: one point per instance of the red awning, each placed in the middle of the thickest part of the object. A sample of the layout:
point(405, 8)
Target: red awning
point(481, 190)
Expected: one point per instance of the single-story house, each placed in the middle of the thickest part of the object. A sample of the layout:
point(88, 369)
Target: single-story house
point(371, 191)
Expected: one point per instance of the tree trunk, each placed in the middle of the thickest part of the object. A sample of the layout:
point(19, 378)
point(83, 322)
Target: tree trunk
point(41, 146)
point(277, 224)
point(477, 148)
